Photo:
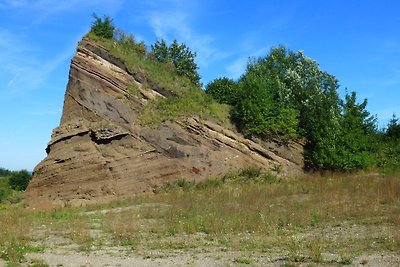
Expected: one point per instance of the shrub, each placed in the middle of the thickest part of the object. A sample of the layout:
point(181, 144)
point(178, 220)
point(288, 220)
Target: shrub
point(103, 27)
point(223, 90)
point(19, 180)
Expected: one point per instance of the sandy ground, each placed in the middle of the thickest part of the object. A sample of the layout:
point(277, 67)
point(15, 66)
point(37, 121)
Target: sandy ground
point(61, 251)
point(105, 258)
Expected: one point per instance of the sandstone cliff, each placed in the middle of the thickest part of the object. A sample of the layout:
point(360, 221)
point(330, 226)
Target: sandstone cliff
point(100, 152)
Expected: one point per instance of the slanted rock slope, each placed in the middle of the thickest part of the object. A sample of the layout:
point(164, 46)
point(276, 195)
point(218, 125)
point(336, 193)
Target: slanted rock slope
point(100, 152)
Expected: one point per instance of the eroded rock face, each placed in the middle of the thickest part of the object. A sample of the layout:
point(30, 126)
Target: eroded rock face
point(100, 152)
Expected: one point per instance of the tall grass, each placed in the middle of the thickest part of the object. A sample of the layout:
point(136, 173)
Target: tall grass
point(14, 234)
point(316, 213)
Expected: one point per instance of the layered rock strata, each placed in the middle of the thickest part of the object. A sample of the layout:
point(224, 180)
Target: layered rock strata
point(100, 152)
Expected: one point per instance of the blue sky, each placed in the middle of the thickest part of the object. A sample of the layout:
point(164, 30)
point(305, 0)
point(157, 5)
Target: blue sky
point(358, 41)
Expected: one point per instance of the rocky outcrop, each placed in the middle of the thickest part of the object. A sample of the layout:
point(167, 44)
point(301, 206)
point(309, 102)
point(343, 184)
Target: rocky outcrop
point(100, 152)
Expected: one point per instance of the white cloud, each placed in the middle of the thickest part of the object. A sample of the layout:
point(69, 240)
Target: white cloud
point(26, 69)
point(237, 68)
point(172, 21)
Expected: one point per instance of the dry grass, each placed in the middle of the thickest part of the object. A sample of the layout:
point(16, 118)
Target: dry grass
point(302, 218)
point(305, 217)
point(14, 233)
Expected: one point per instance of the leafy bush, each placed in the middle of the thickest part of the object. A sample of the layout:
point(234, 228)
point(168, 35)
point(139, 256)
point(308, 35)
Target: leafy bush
point(19, 180)
point(264, 102)
point(103, 27)
point(7, 194)
point(223, 90)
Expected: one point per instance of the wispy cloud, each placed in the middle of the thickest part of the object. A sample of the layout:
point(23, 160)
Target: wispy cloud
point(247, 50)
point(25, 68)
point(237, 68)
point(172, 20)
point(26, 61)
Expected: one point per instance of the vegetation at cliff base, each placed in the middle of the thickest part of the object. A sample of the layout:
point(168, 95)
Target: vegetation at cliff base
point(11, 185)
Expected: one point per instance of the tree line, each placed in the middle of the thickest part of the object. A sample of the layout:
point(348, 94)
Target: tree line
point(286, 95)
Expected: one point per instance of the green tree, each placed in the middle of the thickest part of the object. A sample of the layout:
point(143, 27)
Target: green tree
point(302, 99)
point(224, 90)
point(254, 105)
point(103, 27)
point(19, 180)
point(356, 144)
point(180, 56)
point(393, 128)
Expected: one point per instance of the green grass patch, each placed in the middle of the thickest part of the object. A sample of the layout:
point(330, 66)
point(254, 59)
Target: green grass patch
point(187, 100)
point(192, 102)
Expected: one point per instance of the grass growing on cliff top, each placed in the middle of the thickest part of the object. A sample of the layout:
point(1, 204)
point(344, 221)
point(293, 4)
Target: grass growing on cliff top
point(188, 100)
point(192, 102)
point(142, 66)
point(300, 220)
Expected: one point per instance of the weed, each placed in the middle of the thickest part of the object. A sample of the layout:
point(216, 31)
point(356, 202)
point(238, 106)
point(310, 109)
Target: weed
point(295, 246)
point(134, 89)
point(251, 172)
point(346, 260)
point(270, 178)
point(316, 247)
point(315, 219)
point(38, 263)
point(243, 260)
